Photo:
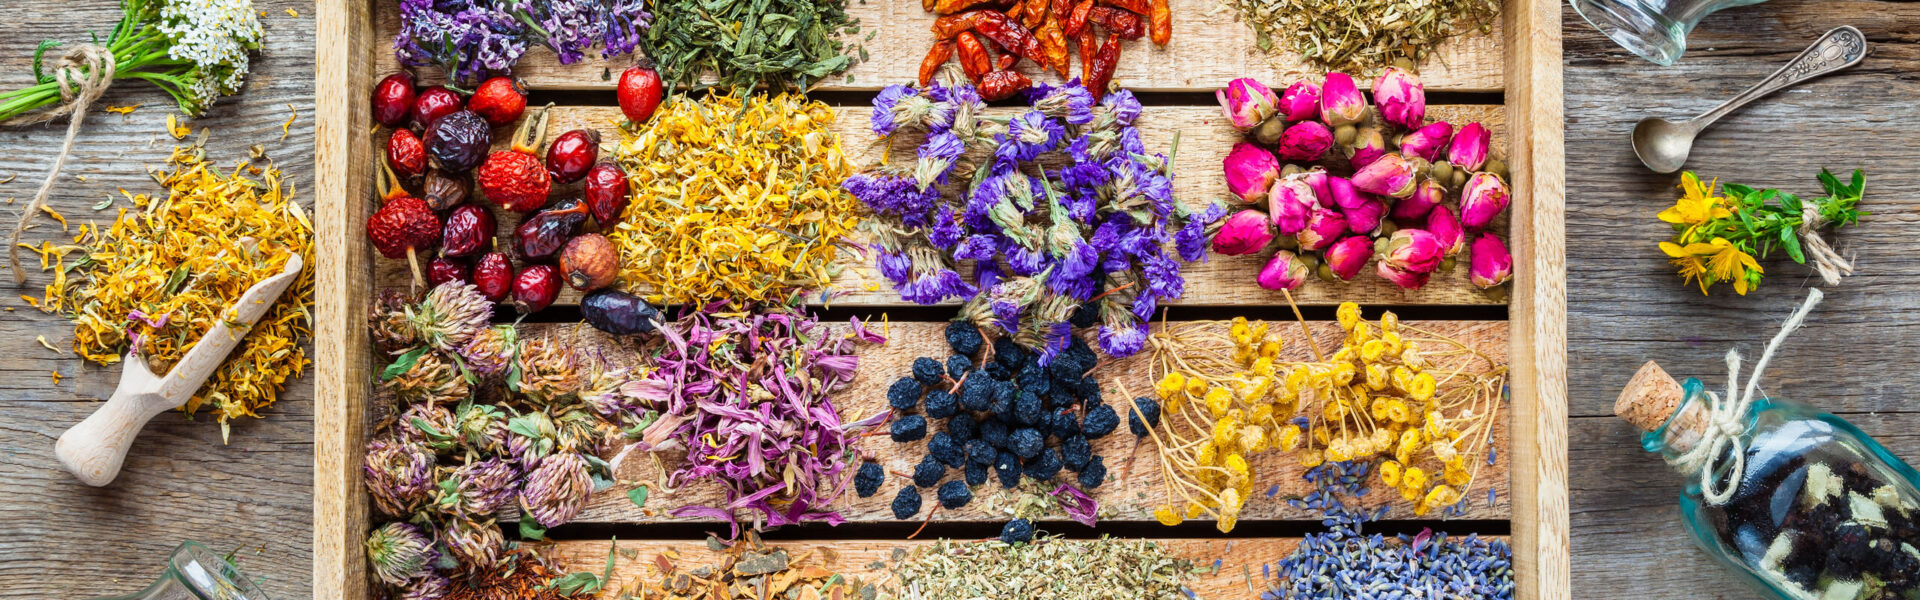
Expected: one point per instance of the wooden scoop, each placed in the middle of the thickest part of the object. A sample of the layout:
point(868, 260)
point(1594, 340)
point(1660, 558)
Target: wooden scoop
point(94, 449)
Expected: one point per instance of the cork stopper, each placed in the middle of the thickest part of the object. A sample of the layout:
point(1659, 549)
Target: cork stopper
point(1650, 398)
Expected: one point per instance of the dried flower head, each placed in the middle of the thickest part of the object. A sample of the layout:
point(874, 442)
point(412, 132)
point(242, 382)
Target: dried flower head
point(399, 476)
point(426, 378)
point(557, 490)
point(548, 371)
point(399, 553)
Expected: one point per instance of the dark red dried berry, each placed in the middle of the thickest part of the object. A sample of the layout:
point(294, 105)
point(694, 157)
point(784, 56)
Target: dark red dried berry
point(618, 312)
point(406, 153)
point(606, 193)
point(402, 226)
point(459, 141)
point(493, 276)
point(469, 230)
point(590, 262)
point(542, 235)
point(572, 154)
point(443, 189)
point(639, 92)
point(393, 99)
point(501, 100)
point(433, 103)
point(443, 269)
point(535, 288)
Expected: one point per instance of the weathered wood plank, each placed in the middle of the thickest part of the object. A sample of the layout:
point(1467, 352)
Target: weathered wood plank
point(1137, 485)
point(1208, 49)
point(1205, 140)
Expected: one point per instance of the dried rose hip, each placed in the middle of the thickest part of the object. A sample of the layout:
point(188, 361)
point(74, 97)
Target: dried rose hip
point(407, 154)
point(493, 276)
point(444, 189)
point(590, 262)
point(393, 99)
point(501, 100)
point(618, 312)
point(433, 103)
point(606, 193)
point(514, 178)
point(639, 92)
point(443, 269)
point(458, 142)
point(542, 235)
point(535, 288)
point(572, 154)
point(469, 231)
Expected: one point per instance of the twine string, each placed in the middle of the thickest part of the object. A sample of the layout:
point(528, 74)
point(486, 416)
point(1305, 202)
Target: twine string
point(1726, 417)
point(1828, 263)
point(83, 72)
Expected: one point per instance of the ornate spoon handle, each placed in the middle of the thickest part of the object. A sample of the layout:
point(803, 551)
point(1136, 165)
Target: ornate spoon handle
point(1840, 48)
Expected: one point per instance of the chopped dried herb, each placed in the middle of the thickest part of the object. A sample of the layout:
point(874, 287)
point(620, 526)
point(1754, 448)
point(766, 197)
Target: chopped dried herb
point(1363, 36)
point(1047, 567)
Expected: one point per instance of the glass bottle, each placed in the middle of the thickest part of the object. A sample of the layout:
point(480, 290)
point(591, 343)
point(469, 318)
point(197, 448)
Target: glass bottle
point(1654, 29)
point(1820, 510)
point(196, 573)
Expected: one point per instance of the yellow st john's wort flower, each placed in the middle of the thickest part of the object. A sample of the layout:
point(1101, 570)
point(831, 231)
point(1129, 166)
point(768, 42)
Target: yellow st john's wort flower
point(1697, 204)
point(1713, 262)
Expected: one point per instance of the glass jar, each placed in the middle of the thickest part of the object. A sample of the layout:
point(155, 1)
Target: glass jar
point(1654, 29)
point(196, 573)
point(1820, 510)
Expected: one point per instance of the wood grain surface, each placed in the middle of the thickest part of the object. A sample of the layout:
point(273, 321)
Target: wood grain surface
point(62, 539)
point(1205, 140)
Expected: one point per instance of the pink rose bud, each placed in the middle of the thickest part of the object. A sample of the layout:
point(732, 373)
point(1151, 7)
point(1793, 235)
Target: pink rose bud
point(1390, 175)
point(1469, 148)
point(1317, 179)
point(1347, 256)
point(1491, 265)
point(1369, 144)
point(1341, 102)
point(1481, 199)
point(1246, 232)
point(1340, 191)
point(1446, 228)
point(1414, 250)
point(1301, 102)
point(1400, 98)
point(1323, 227)
point(1246, 102)
point(1365, 218)
point(1290, 203)
point(1408, 280)
point(1425, 196)
point(1250, 171)
point(1427, 142)
point(1285, 272)
point(1306, 140)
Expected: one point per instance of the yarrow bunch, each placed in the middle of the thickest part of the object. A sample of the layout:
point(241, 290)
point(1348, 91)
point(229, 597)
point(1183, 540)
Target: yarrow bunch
point(1102, 230)
point(195, 50)
point(477, 39)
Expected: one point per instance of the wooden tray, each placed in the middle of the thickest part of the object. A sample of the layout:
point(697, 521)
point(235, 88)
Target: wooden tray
point(1513, 74)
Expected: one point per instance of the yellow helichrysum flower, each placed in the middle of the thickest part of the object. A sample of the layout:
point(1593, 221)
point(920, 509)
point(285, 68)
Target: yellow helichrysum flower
point(1342, 373)
point(1441, 496)
point(1207, 454)
point(1263, 366)
point(1697, 203)
point(1253, 438)
point(1378, 408)
point(1373, 350)
point(1311, 458)
point(1166, 515)
point(1227, 521)
point(1240, 332)
point(1196, 387)
point(1289, 438)
point(1421, 387)
point(1270, 349)
point(1170, 384)
point(1237, 470)
point(1413, 482)
point(1390, 324)
point(1218, 400)
point(1226, 432)
point(1378, 377)
point(1195, 509)
point(1348, 314)
point(1390, 473)
point(1339, 451)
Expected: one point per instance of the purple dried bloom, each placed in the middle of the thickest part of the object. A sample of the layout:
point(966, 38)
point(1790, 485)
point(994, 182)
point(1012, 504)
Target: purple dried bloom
point(946, 231)
point(627, 21)
point(937, 157)
point(556, 490)
point(478, 546)
point(482, 486)
point(1125, 107)
point(1163, 282)
point(1070, 102)
point(1057, 337)
point(887, 113)
point(1025, 262)
point(471, 40)
point(569, 27)
point(432, 586)
point(894, 266)
point(980, 246)
point(1122, 341)
point(399, 476)
point(1191, 241)
point(893, 195)
point(1130, 141)
point(1028, 136)
point(399, 552)
point(1080, 506)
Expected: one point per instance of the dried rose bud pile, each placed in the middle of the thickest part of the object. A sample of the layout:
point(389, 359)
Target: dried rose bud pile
point(1415, 193)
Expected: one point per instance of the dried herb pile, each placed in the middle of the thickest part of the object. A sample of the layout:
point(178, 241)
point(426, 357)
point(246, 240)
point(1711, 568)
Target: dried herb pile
point(166, 270)
point(734, 198)
point(747, 570)
point(1048, 567)
point(473, 40)
point(1362, 36)
point(781, 44)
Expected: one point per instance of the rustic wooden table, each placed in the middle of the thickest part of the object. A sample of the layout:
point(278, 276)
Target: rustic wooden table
point(1624, 303)
point(62, 539)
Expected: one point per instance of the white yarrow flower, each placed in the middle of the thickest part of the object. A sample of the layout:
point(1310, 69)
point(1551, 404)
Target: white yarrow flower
point(217, 36)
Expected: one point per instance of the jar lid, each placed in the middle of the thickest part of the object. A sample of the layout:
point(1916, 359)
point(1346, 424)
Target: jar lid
point(1650, 398)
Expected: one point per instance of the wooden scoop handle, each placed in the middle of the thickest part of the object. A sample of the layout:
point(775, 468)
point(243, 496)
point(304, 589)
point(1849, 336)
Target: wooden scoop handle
point(94, 449)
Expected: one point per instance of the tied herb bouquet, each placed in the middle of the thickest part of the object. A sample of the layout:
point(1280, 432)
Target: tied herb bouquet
point(1717, 237)
point(1064, 218)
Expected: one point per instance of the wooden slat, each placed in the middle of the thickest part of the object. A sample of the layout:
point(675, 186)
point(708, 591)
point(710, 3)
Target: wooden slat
point(1137, 485)
point(1539, 309)
point(1209, 48)
point(1205, 139)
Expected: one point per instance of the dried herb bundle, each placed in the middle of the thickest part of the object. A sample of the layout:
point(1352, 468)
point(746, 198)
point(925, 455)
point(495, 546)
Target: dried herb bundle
point(1045, 568)
point(1363, 36)
point(747, 43)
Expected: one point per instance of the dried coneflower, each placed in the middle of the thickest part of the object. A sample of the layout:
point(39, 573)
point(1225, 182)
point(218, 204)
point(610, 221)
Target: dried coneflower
point(430, 425)
point(548, 371)
point(490, 353)
point(426, 378)
point(399, 476)
point(399, 553)
point(477, 545)
point(558, 489)
point(478, 488)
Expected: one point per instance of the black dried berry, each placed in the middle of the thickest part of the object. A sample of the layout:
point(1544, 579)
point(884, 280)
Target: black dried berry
point(927, 371)
point(1044, 466)
point(1027, 442)
point(964, 338)
point(904, 394)
point(1034, 380)
point(910, 428)
point(958, 366)
point(928, 472)
point(1095, 473)
point(1028, 410)
point(459, 141)
point(963, 427)
point(1076, 452)
point(997, 370)
point(1017, 531)
point(944, 449)
point(1086, 389)
point(1009, 354)
point(1003, 397)
point(618, 313)
point(1066, 367)
point(980, 452)
point(994, 431)
point(907, 503)
point(1063, 425)
point(1145, 406)
point(866, 483)
point(1007, 467)
point(954, 494)
point(1101, 420)
point(941, 405)
point(976, 393)
point(1086, 314)
point(976, 474)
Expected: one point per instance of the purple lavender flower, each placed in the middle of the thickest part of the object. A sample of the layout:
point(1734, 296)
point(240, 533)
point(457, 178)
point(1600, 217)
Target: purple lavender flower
point(569, 27)
point(627, 20)
point(470, 39)
point(1125, 107)
point(886, 108)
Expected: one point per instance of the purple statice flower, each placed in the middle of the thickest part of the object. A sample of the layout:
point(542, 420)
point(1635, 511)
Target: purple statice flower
point(1023, 261)
point(1071, 102)
point(1081, 204)
point(1161, 275)
point(1031, 134)
point(946, 231)
point(1191, 241)
point(893, 265)
point(937, 157)
point(888, 113)
point(979, 246)
point(1125, 107)
point(892, 195)
point(1073, 273)
point(932, 280)
point(1006, 314)
point(987, 274)
point(627, 21)
point(1055, 338)
point(471, 40)
point(1120, 340)
point(1130, 141)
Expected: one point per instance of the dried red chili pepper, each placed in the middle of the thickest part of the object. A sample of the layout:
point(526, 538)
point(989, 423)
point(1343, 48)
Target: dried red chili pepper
point(1127, 25)
point(1014, 12)
point(945, 28)
point(936, 56)
point(1160, 23)
point(947, 7)
point(1138, 7)
point(1001, 85)
point(928, 5)
point(1104, 64)
point(1077, 20)
point(1060, 8)
point(1089, 46)
point(1055, 43)
point(973, 56)
point(1012, 36)
point(1036, 14)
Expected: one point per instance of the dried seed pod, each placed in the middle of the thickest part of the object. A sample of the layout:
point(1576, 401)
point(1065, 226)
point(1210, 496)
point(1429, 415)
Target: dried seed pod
point(443, 190)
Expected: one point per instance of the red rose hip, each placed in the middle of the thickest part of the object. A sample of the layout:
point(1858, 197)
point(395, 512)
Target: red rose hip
point(442, 269)
point(514, 178)
point(493, 276)
point(590, 262)
point(469, 231)
point(639, 92)
point(433, 103)
point(535, 288)
point(501, 100)
point(572, 154)
point(407, 154)
point(606, 193)
point(393, 99)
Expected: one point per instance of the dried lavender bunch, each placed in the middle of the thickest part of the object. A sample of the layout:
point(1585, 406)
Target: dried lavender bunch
point(1040, 241)
point(476, 39)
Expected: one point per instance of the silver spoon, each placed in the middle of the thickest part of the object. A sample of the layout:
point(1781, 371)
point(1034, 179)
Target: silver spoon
point(1663, 144)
